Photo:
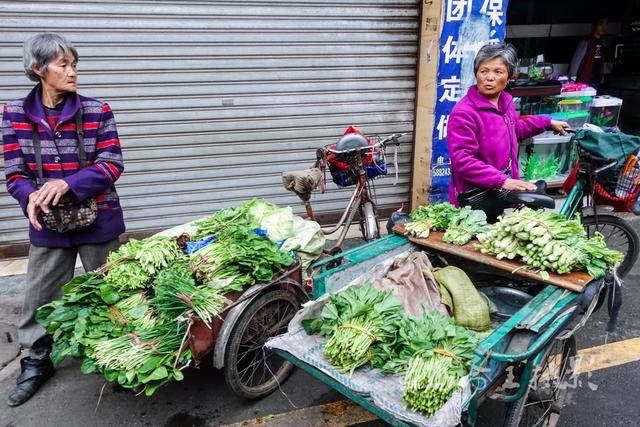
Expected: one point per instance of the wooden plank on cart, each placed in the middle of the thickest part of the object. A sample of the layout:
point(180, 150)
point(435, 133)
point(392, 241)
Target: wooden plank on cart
point(573, 281)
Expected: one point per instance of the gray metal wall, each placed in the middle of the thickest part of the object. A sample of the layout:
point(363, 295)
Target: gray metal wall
point(214, 99)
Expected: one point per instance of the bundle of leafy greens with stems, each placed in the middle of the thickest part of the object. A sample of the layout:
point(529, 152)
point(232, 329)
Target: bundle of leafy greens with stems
point(460, 224)
point(238, 258)
point(177, 293)
point(136, 262)
point(432, 352)
point(127, 319)
point(465, 225)
point(144, 359)
point(354, 320)
point(548, 241)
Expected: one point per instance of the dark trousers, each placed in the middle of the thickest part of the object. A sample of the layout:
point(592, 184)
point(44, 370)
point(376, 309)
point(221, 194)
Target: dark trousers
point(47, 271)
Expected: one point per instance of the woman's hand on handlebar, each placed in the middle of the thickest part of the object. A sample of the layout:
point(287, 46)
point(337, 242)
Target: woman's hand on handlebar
point(518, 185)
point(560, 127)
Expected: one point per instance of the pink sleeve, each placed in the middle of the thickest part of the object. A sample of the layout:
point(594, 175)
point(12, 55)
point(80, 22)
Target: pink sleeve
point(463, 150)
point(531, 126)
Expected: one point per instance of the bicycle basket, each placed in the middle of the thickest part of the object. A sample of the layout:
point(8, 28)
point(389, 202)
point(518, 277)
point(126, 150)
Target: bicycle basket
point(343, 167)
point(616, 188)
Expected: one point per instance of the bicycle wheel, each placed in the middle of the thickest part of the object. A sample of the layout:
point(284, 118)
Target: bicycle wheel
point(619, 235)
point(548, 389)
point(369, 221)
point(250, 370)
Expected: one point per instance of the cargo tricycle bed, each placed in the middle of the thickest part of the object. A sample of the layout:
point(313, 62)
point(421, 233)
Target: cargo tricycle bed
point(527, 360)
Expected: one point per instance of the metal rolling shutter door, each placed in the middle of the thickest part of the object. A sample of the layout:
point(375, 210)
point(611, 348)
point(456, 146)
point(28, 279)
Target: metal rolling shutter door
point(214, 100)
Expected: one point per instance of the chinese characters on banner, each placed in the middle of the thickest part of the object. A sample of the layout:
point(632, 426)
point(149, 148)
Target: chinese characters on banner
point(468, 25)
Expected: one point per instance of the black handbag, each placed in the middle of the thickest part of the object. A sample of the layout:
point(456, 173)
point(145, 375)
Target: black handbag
point(70, 214)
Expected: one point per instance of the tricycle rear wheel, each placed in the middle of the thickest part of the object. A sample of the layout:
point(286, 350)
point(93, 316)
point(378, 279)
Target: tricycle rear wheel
point(251, 370)
point(547, 392)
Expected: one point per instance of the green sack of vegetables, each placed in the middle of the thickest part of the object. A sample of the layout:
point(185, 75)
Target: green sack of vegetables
point(457, 292)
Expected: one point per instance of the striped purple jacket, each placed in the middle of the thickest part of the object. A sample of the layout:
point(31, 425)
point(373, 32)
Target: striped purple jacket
point(59, 149)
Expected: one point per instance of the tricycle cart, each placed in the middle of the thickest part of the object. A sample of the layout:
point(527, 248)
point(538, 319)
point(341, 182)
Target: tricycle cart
point(237, 337)
point(527, 361)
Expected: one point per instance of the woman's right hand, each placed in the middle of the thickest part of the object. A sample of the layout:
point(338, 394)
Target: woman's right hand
point(518, 185)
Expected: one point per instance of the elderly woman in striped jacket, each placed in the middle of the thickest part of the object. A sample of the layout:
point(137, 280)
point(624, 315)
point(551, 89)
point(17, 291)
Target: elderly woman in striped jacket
point(47, 118)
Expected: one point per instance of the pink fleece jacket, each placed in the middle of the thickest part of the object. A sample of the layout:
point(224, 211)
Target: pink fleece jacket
point(480, 137)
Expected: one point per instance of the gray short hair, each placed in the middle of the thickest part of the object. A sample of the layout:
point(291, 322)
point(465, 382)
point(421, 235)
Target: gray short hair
point(43, 48)
point(488, 52)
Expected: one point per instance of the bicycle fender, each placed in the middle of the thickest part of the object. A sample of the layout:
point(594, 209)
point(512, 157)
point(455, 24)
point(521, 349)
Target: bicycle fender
point(236, 311)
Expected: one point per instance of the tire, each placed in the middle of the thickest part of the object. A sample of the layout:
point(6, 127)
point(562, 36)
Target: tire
point(619, 235)
point(246, 359)
point(543, 400)
point(369, 221)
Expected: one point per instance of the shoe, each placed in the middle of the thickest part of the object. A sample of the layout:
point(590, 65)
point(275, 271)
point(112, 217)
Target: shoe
point(34, 373)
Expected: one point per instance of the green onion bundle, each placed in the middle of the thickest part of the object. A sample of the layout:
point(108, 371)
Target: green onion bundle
point(177, 293)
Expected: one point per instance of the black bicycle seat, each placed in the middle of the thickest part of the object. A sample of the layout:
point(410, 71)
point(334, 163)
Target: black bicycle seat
point(532, 199)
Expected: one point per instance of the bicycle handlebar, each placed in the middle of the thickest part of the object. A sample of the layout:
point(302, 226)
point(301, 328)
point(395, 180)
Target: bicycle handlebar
point(383, 142)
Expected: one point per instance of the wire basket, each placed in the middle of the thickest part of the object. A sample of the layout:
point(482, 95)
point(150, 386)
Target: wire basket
point(618, 187)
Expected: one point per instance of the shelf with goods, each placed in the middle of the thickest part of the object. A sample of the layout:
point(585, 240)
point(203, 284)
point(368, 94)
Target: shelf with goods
point(549, 156)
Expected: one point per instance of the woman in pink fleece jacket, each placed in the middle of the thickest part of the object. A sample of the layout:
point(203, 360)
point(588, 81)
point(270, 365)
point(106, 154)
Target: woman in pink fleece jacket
point(483, 129)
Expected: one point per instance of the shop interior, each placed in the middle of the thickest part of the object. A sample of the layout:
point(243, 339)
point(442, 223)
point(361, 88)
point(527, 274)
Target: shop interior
point(579, 62)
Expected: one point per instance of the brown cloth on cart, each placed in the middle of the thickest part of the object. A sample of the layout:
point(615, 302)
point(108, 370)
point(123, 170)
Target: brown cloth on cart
point(412, 281)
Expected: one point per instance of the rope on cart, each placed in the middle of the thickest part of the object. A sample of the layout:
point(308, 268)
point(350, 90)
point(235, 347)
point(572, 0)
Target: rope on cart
point(452, 356)
point(360, 329)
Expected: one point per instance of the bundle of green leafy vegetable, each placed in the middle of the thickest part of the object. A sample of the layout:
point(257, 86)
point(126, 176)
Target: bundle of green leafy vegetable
point(135, 263)
point(148, 358)
point(460, 224)
point(548, 241)
point(355, 320)
point(439, 353)
point(177, 294)
point(245, 216)
point(465, 225)
point(434, 216)
point(239, 258)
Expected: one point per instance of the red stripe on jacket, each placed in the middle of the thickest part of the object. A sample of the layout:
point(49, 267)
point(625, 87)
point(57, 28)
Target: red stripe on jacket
point(11, 147)
point(72, 126)
point(110, 142)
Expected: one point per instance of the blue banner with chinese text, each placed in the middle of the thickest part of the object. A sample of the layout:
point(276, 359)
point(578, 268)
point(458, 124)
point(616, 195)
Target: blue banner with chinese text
point(467, 26)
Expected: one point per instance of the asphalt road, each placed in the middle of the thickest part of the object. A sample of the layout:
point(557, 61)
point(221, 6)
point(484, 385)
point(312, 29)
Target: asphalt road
point(202, 399)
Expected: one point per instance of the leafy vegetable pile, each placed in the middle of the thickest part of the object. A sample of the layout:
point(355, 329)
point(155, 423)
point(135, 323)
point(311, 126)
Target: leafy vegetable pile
point(364, 325)
point(548, 241)
point(461, 225)
point(127, 320)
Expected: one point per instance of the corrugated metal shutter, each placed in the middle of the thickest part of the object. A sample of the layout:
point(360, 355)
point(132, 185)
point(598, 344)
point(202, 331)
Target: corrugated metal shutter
point(215, 99)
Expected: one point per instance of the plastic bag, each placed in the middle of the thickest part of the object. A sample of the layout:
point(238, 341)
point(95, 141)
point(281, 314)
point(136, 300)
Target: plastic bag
point(293, 233)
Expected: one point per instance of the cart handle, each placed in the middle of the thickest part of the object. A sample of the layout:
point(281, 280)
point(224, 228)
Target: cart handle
point(543, 339)
point(540, 343)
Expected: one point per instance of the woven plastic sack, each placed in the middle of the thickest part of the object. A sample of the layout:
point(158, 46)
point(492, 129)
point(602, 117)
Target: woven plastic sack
point(458, 293)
